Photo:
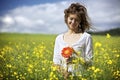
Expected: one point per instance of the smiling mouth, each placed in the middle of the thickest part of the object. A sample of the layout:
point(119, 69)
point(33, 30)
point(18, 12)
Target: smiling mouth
point(72, 24)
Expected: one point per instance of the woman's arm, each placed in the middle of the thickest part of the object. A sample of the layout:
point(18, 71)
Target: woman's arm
point(56, 55)
point(88, 50)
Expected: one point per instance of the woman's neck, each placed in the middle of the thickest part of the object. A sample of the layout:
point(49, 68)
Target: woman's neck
point(72, 32)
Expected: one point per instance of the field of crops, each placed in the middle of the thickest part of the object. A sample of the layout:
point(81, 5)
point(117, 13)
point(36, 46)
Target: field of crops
point(29, 57)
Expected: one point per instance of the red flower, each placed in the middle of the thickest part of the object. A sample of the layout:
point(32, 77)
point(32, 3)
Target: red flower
point(67, 52)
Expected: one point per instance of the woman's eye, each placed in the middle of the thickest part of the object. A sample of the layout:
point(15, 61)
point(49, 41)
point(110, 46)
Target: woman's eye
point(71, 18)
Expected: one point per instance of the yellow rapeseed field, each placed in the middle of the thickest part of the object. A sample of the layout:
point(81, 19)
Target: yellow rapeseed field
point(29, 57)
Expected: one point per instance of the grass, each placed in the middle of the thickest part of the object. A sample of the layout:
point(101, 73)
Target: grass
point(29, 57)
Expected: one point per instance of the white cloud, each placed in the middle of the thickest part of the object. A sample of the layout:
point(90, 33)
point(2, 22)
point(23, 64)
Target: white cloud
point(49, 17)
point(8, 20)
point(105, 14)
point(43, 18)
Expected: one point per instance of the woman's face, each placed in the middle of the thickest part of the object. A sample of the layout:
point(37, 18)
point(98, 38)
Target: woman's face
point(73, 21)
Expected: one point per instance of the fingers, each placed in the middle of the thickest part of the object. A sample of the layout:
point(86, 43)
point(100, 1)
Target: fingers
point(66, 75)
point(69, 60)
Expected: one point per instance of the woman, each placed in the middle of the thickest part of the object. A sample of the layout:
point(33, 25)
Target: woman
point(75, 38)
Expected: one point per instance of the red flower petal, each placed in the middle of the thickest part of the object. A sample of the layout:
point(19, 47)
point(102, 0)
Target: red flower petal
point(67, 52)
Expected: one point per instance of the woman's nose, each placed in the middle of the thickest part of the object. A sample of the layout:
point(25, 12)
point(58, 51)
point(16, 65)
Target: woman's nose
point(73, 21)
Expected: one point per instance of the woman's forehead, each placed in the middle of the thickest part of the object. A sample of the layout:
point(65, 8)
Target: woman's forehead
point(73, 16)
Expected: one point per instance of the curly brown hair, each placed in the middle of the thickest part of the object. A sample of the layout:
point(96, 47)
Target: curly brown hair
point(81, 12)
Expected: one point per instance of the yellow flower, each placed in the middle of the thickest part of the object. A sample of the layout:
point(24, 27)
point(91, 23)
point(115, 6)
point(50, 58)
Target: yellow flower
point(17, 76)
point(51, 74)
point(83, 79)
point(30, 66)
point(108, 35)
point(9, 65)
point(96, 70)
point(54, 68)
point(29, 70)
point(117, 55)
point(109, 62)
point(15, 73)
point(26, 57)
point(74, 61)
point(98, 44)
point(93, 68)
point(116, 74)
point(81, 60)
point(43, 69)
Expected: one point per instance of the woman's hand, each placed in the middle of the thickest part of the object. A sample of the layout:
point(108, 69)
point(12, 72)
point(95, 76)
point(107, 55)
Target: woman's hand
point(59, 68)
point(69, 60)
point(66, 75)
point(62, 71)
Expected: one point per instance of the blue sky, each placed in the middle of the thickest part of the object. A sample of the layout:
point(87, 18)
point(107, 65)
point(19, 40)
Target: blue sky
point(6, 5)
point(47, 16)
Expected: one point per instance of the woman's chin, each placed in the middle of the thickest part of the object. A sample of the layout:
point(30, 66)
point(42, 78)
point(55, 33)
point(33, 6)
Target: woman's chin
point(72, 27)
